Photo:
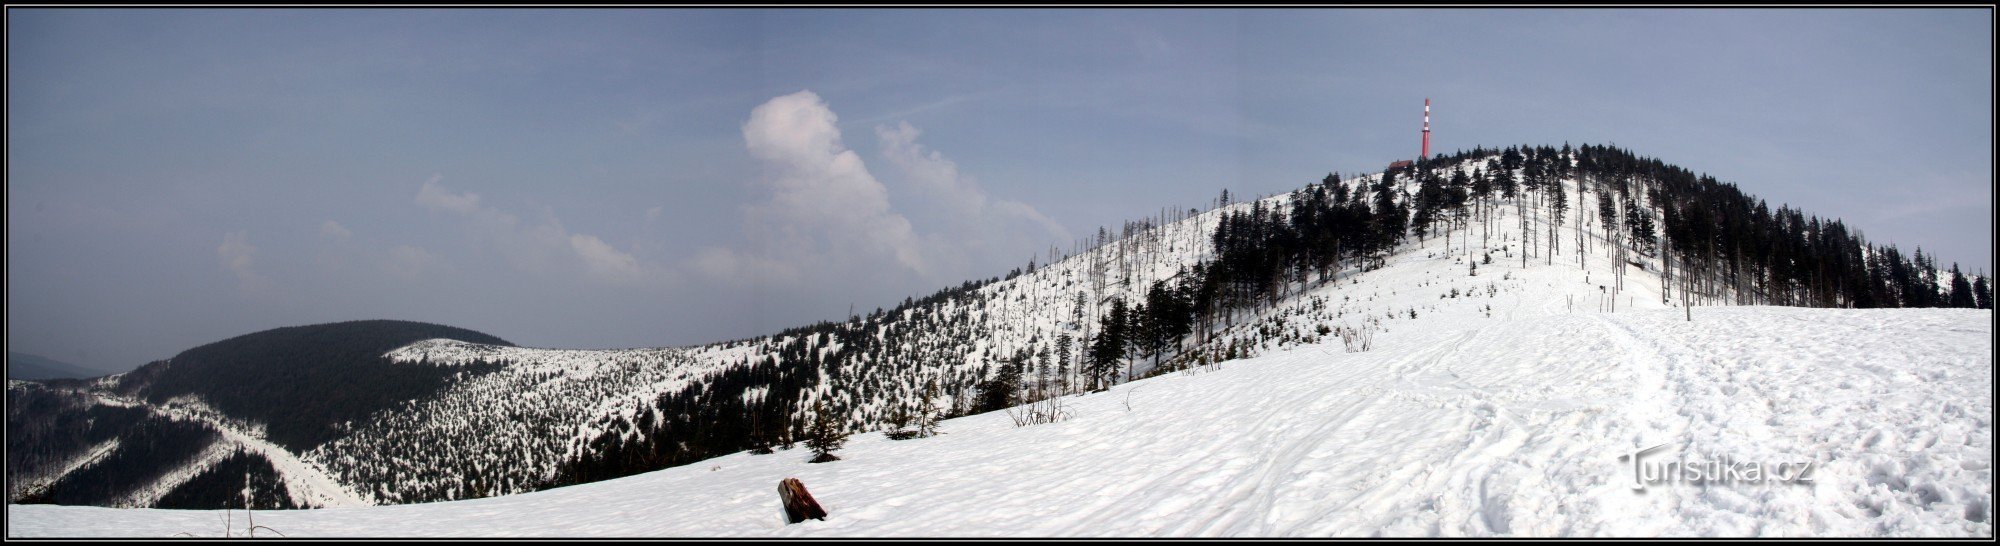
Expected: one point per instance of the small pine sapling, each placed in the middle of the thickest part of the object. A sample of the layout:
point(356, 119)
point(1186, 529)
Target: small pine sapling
point(825, 436)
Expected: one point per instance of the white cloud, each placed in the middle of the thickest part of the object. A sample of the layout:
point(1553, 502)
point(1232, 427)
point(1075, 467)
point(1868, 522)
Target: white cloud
point(435, 197)
point(238, 256)
point(603, 261)
point(974, 225)
point(939, 177)
point(823, 205)
point(333, 231)
point(539, 246)
point(931, 172)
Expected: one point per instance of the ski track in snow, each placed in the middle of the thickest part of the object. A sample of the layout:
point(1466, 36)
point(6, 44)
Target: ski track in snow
point(148, 494)
point(1502, 429)
point(85, 458)
point(306, 483)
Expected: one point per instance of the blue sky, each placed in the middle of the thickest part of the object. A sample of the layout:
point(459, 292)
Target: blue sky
point(607, 178)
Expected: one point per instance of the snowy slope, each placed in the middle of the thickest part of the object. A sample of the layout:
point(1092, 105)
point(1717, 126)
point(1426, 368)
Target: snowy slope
point(511, 430)
point(306, 484)
point(505, 430)
point(1448, 428)
point(957, 343)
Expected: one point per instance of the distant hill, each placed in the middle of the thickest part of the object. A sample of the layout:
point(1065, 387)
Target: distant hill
point(29, 367)
point(301, 381)
point(179, 432)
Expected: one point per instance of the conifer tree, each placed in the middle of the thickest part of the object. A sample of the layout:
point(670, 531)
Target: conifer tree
point(927, 413)
point(1961, 291)
point(999, 393)
point(1109, 347)
point(1064, 348)
point(825, 436)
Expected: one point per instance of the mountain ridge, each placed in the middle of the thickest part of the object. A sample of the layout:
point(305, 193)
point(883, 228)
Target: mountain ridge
point(29, 367)
point(1258, 276)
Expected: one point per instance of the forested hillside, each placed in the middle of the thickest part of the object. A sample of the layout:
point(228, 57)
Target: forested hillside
point(399, 412)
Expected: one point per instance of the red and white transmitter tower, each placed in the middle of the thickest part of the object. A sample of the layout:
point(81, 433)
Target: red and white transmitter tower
point(1427, 129)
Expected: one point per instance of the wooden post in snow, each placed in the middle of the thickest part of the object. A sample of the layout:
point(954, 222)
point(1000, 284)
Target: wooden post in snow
point(799, 504)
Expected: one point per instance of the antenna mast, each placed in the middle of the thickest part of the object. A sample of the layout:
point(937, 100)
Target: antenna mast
point(1427, 129)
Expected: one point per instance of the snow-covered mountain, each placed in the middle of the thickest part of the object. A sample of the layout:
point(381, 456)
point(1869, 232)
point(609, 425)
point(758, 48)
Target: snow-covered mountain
point(1459, 364)
point(1454, 425)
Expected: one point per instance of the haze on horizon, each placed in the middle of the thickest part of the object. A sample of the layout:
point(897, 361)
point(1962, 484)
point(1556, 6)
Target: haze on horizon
point(616, 178)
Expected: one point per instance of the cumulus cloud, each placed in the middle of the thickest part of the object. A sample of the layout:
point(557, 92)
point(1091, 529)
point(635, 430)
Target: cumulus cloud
point(822, 203)
point(237, 256)
point(819, 189)
point(960, 195)
point(823, 208)
point(540, 246)
point(969, 232)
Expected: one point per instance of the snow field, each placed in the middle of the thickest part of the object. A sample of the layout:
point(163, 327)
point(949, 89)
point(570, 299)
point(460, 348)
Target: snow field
point(1507, 429)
